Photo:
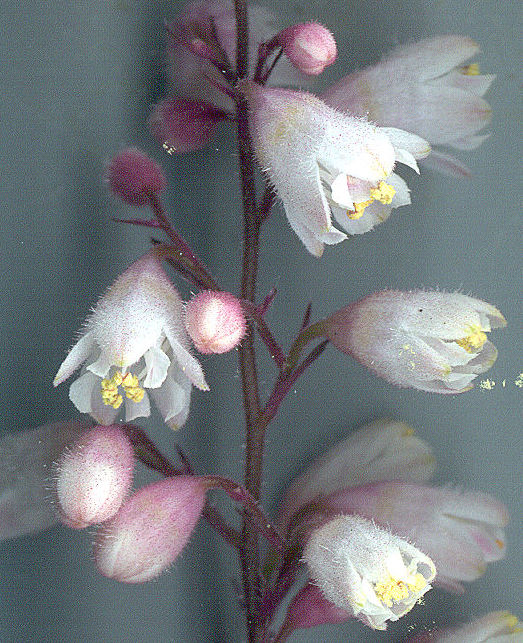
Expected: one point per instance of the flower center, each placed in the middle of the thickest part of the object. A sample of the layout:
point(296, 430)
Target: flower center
point(383, 193)
point(130, 385)
point(474, 341)
point(392, 590)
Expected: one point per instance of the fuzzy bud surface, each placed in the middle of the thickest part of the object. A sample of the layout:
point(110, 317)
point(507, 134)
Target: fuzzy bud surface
point(309, 46)
point(133, 176)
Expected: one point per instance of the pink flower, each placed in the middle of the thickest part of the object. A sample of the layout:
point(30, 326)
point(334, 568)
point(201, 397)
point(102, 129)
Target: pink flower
point(215, 321)
point(94, 476)
point(367, 571)
point(150, 529)
point(322, 162)
point(432, 341)
point(498, 627)
point(424, 88)
point(382, 450)
point(309, 46)
point(134, 177)
point(134, 342)
point(461, 531)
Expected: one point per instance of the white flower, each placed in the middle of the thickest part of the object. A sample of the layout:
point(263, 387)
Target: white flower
point(367, 571)
point(429, 340)
point(425, 88)
point(134, 340)
point(321, 162)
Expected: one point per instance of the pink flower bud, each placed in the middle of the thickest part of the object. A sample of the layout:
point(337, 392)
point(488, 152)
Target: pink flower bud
point(310, 47)
point(496, 626)
point(150, 530)
point(182, 125)
point(215, 321)
point(94, 476)
point(429, 340)
point(133, 176)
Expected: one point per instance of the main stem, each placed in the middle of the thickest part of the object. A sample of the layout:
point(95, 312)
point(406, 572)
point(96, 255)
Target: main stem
point(250, 556)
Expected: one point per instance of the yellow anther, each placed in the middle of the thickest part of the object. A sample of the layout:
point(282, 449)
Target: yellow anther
point(470, 70)
point(391, 591)
point(130, 385)
point(359, 209)
point(383, 193)
point(474, 341)
point(499, 543)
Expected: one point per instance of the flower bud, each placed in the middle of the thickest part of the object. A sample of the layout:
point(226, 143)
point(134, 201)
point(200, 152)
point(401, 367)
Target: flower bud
point(310, 47)
point(183, 125)
point(150, 529)
point(381, 450)
point(94, 476)
point(367, 571)
point(310, 608)
point(215, 321)
point(500, 627)
point(133, 176)
point(429, 340)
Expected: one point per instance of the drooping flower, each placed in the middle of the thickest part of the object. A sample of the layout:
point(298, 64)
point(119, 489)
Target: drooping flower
point(309, 46)
point(381, 450)
point(134, 177)
point(432, 341)
point(498, 627)
point(134, 342)
point(461, 531)
point(150, 529)
point(425, 88)
point(210, 25)
point(94, 476)
point(367, 571)
point(321, 161)
point(26, 467)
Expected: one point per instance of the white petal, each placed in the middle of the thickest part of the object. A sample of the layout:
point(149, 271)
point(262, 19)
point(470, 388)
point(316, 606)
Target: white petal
point(173, 398)
point(77, 356)
point(418, 147)
point(80, 391)
point(446, 164)
point(135, 410)
point(187, 363)
point(157, 364)
point(340, 192)
point(101, 367)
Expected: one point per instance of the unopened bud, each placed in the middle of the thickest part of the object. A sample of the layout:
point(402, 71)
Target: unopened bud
point(94, 476)
point(310, 47)
point(134, 177)
point(215, 321)
point(150, 530)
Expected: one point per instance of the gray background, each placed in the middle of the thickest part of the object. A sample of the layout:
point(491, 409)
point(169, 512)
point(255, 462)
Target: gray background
point(77, 85)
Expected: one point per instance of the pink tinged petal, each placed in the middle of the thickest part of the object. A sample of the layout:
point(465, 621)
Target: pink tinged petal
point(469, 142)
point(173, 398)
point(477, 85)
point(139, 409)
point(26, 459)
point(157, 364)
point(432, 57)
point(446, 164)
point(78, 354)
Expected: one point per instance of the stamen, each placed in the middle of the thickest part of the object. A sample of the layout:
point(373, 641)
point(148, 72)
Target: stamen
point(392, 591)
point(470, 70)
point(383, 193)
point(130, 385)
point(359, 209)
point(474, 341)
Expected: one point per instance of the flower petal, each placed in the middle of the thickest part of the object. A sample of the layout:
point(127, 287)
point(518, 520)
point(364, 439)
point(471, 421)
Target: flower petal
point(78, 354)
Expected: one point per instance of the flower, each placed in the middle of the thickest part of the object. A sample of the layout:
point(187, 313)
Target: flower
point(432, 341)
point(425, 88)
point(461, 531)
point(26, 461)
point(321, 161)
point(150, 529)
point(134, 340)
point(134, 177)
point(309, 46)
point(500, 627)
point(209, 26)
point(94, 476)
point(381, 450)
point(367, 571)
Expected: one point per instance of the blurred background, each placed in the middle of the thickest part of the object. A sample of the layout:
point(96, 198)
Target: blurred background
point(78, 82)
